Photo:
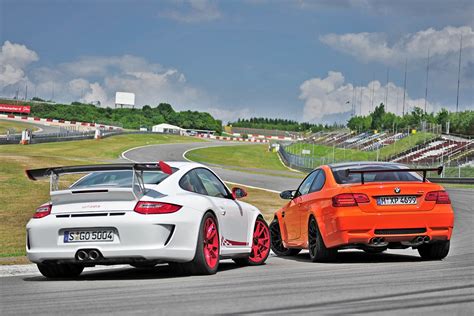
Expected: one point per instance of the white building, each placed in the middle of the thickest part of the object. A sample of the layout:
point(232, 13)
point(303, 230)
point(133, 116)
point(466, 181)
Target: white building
point(167, 129)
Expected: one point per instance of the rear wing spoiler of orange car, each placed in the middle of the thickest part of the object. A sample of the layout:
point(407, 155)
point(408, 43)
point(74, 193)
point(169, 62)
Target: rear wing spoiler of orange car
point(35, 174)
point(439, 170)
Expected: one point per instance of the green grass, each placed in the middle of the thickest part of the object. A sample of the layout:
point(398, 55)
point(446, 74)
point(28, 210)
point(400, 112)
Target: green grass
point(19, 196)
point(453, 172)
point(329, 154)
point(107, 148)
point(405, 144)
point(248, 156)
point(17, 127)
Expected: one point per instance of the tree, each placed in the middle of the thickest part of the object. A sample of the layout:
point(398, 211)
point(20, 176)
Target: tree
point(377, 117)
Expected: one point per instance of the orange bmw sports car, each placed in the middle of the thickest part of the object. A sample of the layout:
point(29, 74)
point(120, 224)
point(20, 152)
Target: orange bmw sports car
point(370, 206)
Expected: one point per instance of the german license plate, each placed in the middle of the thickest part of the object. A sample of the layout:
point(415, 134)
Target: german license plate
point(396, 200)
point(88, 235)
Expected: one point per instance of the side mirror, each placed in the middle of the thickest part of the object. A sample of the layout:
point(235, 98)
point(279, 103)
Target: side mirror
point(288, 194)
point(238, 193)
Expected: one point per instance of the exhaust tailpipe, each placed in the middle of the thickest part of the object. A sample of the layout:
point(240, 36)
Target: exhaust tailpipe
point(377, 240)
point(426, 239)
point(94, 255)
point(82, 255)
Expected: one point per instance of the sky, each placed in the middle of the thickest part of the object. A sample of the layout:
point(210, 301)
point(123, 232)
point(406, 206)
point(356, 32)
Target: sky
point(304, 60)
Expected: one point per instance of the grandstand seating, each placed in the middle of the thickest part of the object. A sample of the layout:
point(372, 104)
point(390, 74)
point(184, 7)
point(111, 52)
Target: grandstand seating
point(442, 150)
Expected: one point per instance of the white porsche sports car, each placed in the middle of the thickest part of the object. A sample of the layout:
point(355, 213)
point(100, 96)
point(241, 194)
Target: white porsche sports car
point(143, 214)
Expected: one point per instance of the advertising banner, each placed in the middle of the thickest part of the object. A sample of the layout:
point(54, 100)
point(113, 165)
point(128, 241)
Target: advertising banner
point(15, 108)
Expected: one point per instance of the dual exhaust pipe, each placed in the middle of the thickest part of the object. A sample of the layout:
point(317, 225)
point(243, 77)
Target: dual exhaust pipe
point(378, 241)
point(90, 255)
point(421, 240)
point(418, 240)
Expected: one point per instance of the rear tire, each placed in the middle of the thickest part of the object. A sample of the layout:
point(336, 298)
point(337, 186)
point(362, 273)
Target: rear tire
point(434, 251)
point(206, 259)
point(318, 252)
point(260, 245)
point(62, 270)
point(276, 242)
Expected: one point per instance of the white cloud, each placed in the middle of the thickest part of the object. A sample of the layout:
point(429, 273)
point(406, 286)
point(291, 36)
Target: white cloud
point(375, 46)
point(227, 115)
point(331, 95)
point(192, 11)
point(456, 11)
point(92, 79)
point(14, 59)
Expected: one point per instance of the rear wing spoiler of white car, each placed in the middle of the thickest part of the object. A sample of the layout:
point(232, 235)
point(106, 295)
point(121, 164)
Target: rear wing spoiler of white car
point(136, 189)
point(439, 170)
point(35, 174)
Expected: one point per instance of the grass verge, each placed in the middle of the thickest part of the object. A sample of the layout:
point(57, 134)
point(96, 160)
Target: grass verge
point(329, 154)
point(249, 156)
point(17, 127)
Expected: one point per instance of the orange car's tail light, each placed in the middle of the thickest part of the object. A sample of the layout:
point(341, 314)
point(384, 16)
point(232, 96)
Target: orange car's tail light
point(440, 197)
point(349, 199)
point(144, 207)
point(42, 211)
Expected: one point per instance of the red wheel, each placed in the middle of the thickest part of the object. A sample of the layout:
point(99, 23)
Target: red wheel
point(211, 243)
point(206, 259)
point(260, 245)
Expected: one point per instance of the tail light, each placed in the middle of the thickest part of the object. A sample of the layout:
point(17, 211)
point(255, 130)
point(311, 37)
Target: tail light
point(42, 211)
point(146, 207)
point(349, 199)
point(440, 197)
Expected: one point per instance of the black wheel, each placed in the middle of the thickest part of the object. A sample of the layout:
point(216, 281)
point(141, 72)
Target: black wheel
point(277, 243)
point(206, 259)
point(260, 245)
point(434, 251)
point(317, 249)
point(374, 250)
point(63, 270)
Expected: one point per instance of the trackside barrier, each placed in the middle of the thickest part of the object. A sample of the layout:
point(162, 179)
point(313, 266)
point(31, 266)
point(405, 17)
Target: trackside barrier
point(59, 122)
point(307, 164)
point(234, 139)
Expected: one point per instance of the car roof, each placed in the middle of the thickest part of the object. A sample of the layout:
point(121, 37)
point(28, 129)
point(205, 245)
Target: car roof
point(182, 165)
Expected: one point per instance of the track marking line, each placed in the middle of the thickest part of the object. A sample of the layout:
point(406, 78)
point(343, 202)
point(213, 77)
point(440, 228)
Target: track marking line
point(189, 160)
point(252, 187)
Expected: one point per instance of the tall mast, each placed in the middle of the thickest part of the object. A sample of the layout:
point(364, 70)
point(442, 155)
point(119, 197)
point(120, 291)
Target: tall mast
point(404, 87)
point(459, 75)
point(427, 70)
point(386, 89)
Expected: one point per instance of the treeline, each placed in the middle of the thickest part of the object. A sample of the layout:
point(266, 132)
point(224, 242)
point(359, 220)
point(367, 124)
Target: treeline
point(459, 123)
point(282, 124)
point(126, 117)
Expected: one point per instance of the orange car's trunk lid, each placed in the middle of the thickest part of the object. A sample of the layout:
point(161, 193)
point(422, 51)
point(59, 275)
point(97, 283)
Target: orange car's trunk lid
point(382, 192)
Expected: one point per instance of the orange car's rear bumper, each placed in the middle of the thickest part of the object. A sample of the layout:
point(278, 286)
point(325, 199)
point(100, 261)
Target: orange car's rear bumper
point(359, 227)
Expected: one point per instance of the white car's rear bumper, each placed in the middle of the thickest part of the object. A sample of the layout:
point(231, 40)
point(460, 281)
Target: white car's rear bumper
point(165, 237)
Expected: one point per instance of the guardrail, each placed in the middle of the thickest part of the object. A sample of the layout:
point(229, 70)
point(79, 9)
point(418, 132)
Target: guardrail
point(306, 164)
point(452, 180)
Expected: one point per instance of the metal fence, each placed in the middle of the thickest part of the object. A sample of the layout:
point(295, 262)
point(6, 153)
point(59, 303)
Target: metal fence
point(453, 169)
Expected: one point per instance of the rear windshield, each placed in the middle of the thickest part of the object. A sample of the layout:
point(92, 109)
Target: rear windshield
point(341, 177)
point(121, 179)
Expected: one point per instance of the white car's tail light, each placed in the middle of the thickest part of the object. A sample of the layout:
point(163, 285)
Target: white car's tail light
point(42, 211)
point(349, 199)
point(441, 197)
point(145, 207)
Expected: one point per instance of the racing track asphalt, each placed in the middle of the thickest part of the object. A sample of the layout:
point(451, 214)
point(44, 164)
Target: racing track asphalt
point(44, 129)
point(389, 283)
